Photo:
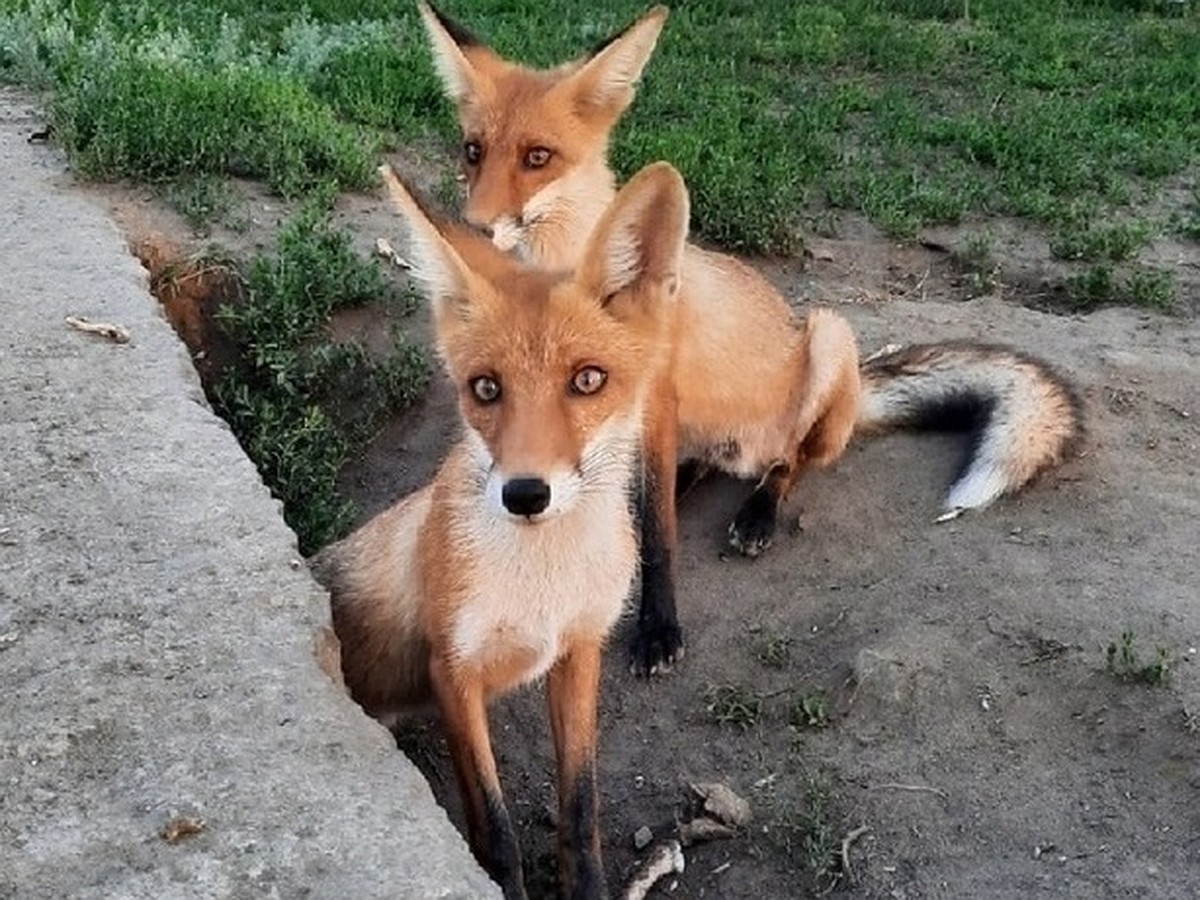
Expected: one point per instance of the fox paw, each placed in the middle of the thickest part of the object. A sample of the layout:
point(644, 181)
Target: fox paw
point(753, 528)
point(656, 649)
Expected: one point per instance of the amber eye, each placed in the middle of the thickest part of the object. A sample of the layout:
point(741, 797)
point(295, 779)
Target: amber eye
point(486, 389)
point(588, 380)
point(472, 152)
point(537, 157)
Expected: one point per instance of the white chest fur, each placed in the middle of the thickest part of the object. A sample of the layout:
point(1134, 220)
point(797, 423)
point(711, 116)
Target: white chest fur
point(534, 585)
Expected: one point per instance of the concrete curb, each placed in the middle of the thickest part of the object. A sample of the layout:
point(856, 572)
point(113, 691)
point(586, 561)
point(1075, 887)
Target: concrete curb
point(158, 634)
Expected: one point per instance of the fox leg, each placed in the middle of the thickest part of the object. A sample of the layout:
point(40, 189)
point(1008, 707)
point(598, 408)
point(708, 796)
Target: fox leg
point(658, 642)
point(489, 828)
point(574, 689)
point(753, 528)
point(830, 393)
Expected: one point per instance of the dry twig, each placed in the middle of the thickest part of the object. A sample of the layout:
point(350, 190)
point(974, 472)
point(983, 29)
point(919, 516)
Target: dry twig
point(916, 788)
point(117, 333)
point(846, 842)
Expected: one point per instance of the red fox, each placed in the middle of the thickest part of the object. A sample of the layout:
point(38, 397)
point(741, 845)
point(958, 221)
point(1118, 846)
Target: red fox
point(757, 393)
point(519, 557)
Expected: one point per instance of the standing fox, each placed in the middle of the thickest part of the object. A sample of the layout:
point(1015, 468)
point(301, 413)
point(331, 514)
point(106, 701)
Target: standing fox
point(755, 393)
point(517, 560)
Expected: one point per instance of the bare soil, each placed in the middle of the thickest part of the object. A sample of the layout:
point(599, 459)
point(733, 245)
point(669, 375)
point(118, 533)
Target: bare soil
point(969, 721)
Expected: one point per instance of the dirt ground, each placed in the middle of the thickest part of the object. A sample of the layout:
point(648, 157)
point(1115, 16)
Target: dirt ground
point(970, 736)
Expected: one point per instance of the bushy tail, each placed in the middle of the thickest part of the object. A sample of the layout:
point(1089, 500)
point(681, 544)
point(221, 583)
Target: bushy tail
point(1022, 417)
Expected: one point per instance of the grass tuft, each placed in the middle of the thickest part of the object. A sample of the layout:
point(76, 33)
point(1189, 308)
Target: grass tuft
point(810, 711)
point(1092, 288)
point(1099, 285)
point(807, 832)
point(298, 402)
point(200, 199)
point(153, 119)
point(978, 263)
point(1125, 662)
point(1150, 289)
point(776, 652)
point(732, 705)
point(1114, 243)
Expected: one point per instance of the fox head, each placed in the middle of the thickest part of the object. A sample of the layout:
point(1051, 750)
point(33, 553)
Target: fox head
point(552, 369)
point(535, 142)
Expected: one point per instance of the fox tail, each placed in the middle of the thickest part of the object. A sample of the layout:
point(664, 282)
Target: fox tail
point(1021, 416)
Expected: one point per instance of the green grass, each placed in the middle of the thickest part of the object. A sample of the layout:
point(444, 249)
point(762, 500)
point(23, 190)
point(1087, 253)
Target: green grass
point(298, 402)
point(910, 111)
point(914, 115)
point(978, 264)
point(1087, 241)
point(732, 705)
point(1186, 221)
point(776, 652)
point(1100, 285)
point(809, 710)
point(806, 830)
point(1125, 662)
point(201, 200)
point(153, 119)
point(1150, 289)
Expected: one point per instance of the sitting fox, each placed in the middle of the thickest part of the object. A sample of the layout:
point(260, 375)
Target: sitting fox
point(754, 392)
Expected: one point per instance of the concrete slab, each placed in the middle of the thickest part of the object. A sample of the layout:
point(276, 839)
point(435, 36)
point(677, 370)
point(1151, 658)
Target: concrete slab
point(157, 632)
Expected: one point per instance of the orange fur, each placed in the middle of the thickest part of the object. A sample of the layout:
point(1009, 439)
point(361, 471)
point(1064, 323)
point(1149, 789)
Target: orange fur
point(758, 393)
point(748, 374)
point(462, 592)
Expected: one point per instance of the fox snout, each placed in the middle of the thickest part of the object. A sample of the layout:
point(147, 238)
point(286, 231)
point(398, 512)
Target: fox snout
point(525, 496)
point(504, 231)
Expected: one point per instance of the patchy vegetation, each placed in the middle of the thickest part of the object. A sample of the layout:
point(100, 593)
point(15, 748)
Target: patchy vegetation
point(914, 113)
point(1099, 285)
point(299, 402)
point(809, 710)
point(732, 705)
point(807, 831)
point(1126, 663)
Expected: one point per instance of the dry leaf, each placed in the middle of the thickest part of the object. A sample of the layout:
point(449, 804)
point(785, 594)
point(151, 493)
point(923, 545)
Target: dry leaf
point(181, 827)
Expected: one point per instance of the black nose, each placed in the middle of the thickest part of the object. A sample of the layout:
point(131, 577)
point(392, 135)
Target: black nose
point(525, 496)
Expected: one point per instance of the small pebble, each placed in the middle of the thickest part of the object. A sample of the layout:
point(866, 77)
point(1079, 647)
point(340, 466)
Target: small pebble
point(642, 838)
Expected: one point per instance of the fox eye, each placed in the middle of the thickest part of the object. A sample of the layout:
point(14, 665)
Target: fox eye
point(486, 389)
point(588, 380)
point(537, 157)
point(472, 152)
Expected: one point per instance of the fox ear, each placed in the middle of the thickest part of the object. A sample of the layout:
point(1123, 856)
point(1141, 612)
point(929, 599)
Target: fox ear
point(448, 281)
point(459, 56)
point(638, 244)
point(604, 84)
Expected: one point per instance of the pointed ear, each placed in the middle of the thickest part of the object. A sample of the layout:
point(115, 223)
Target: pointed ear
point(448, 281)
point(453, 48)
point(638, 244)
point(604, 84)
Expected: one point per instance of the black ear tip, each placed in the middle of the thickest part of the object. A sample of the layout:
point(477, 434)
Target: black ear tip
point(604, 44)
point(458, 33)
